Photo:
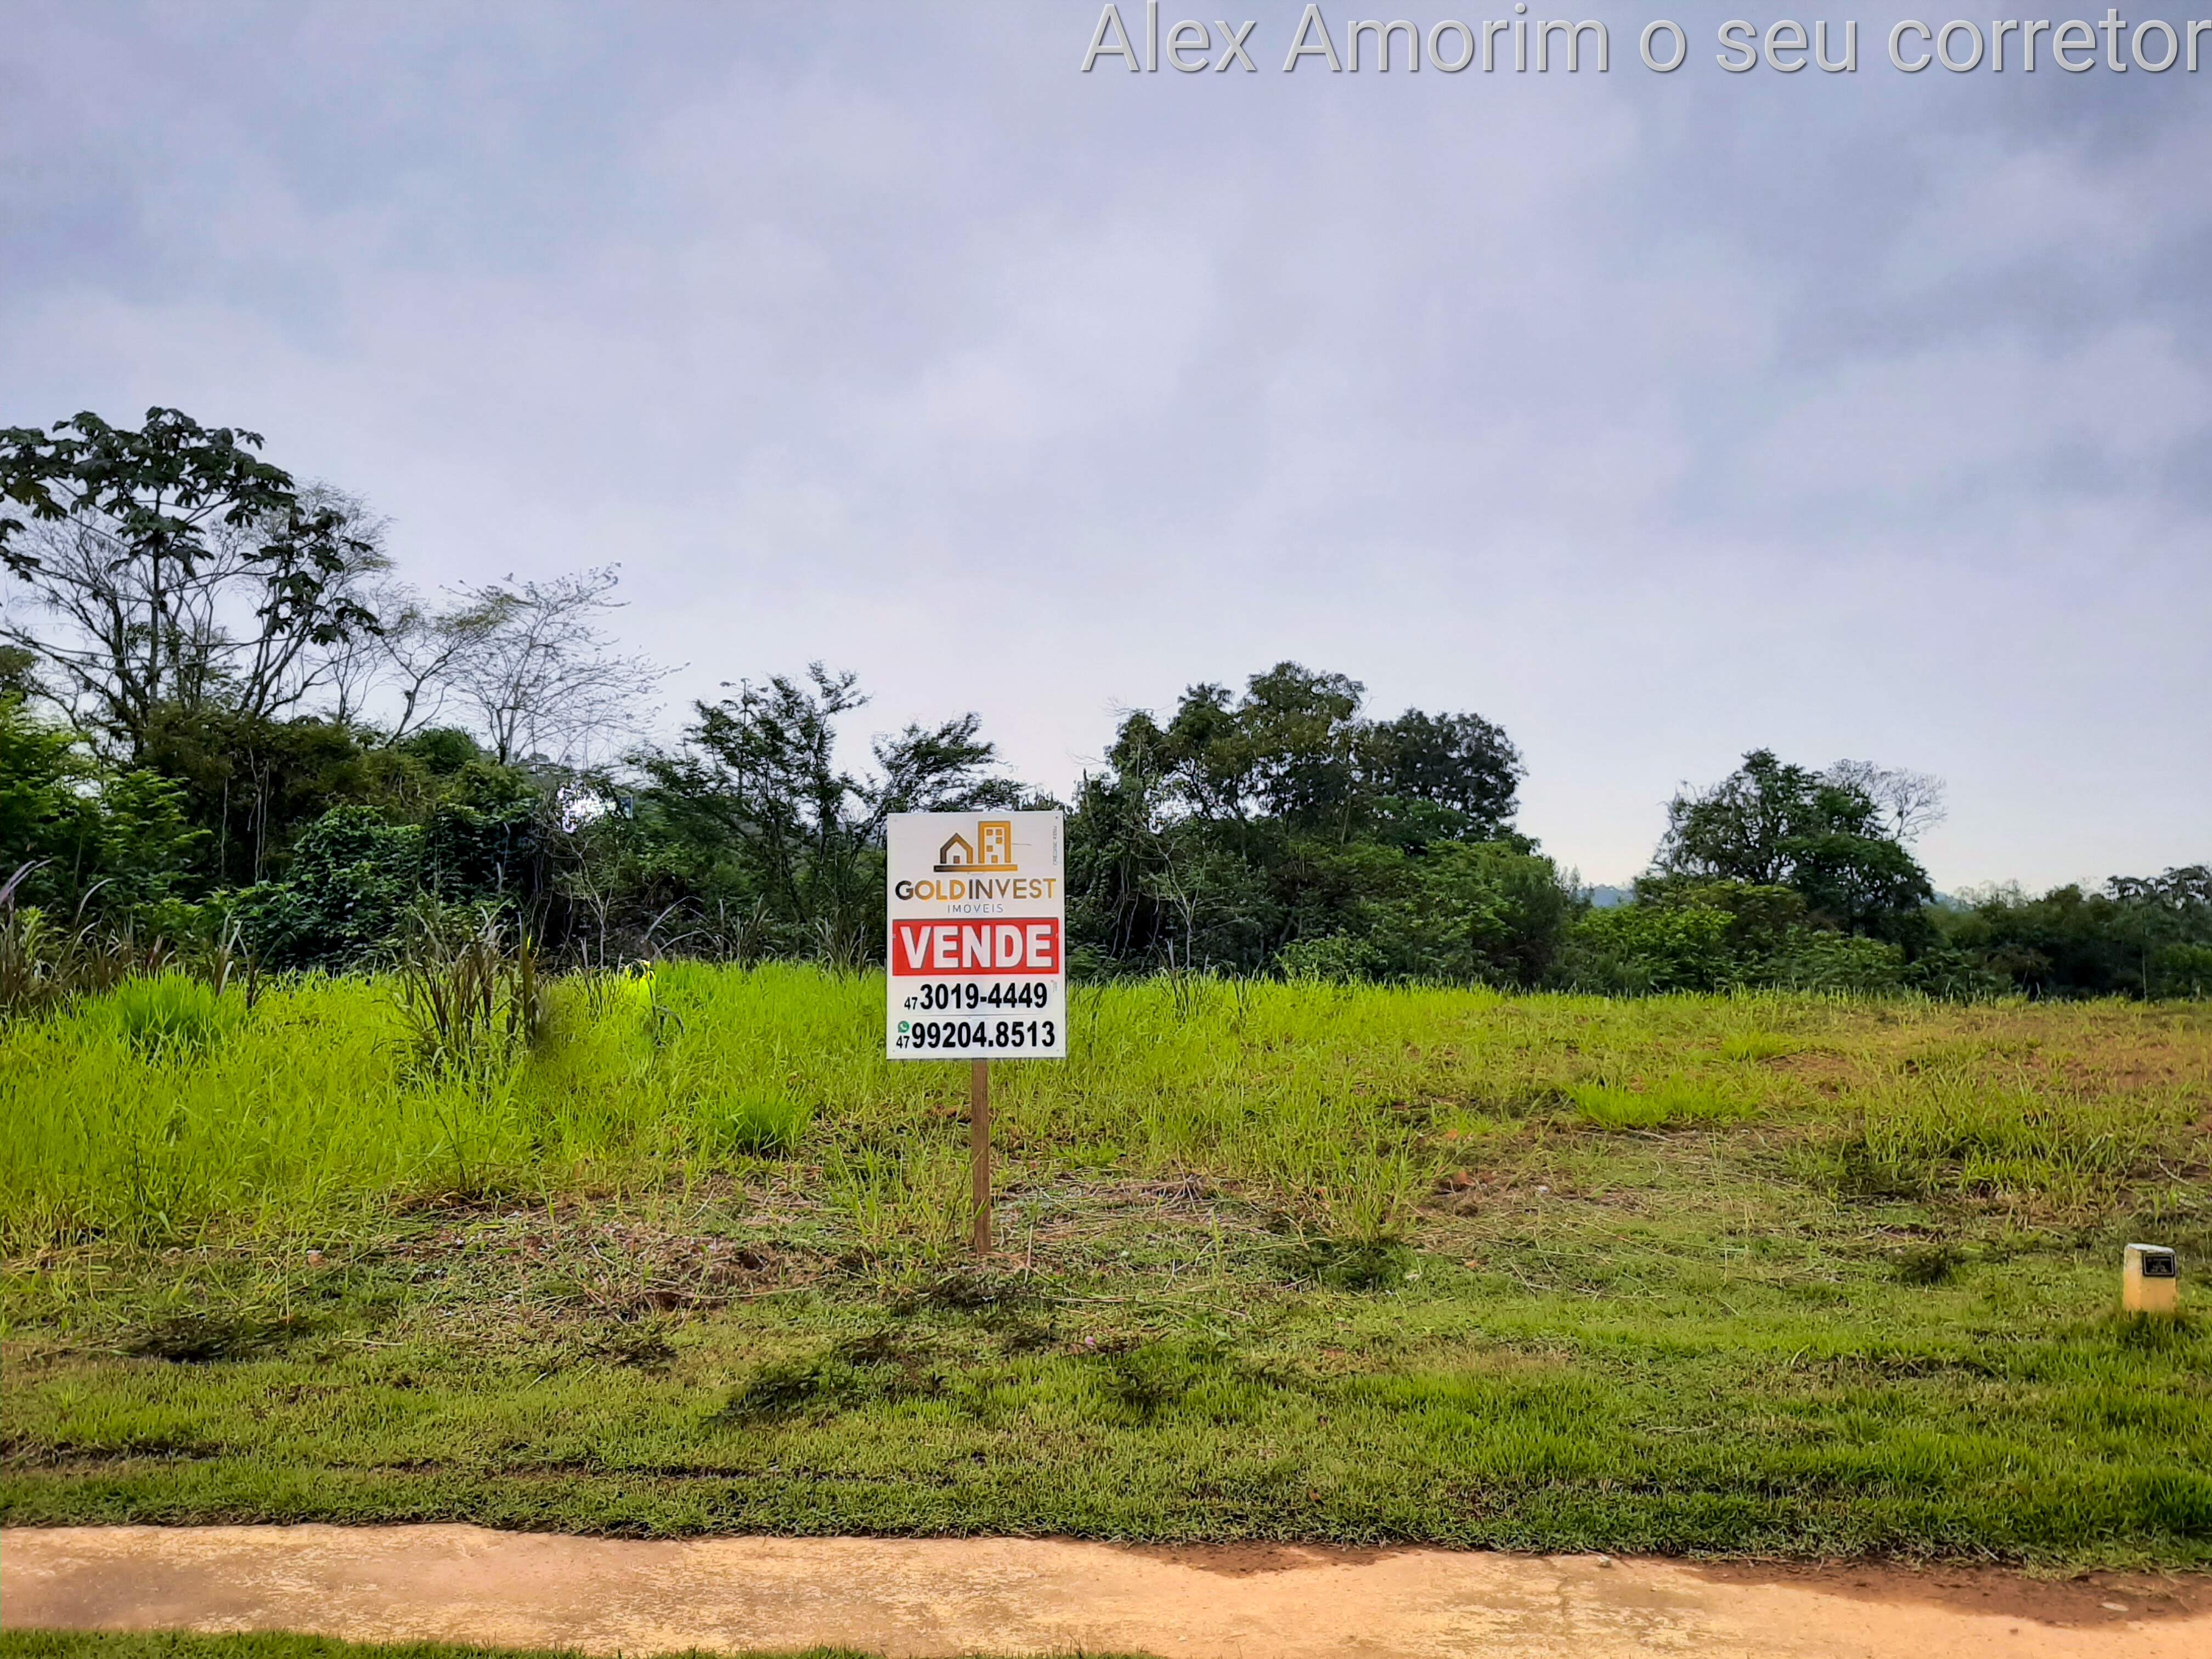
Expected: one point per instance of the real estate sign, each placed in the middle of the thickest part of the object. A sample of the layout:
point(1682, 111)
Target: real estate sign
point(978, 936)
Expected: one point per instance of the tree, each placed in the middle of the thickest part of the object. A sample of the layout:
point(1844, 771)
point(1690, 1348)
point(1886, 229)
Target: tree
point(2140, 936)
point(184, 570)
point(254, 784)
point(19, 675)
point(1247, 823)
point(758, 796)
point(355, 876)
point(1484, 911)
point(1772, 824)
point(1911, 803)
point(1445, 777)
point(1296, 752)
point(1148, 885)
point(530, 662)
point(1299, 742)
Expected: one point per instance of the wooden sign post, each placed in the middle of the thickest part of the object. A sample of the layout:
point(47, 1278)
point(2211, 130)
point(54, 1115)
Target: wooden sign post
point(979, 1148)
point(976, 954)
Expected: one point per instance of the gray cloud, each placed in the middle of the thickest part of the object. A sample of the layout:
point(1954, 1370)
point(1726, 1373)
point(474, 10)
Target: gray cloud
point(1655, 417)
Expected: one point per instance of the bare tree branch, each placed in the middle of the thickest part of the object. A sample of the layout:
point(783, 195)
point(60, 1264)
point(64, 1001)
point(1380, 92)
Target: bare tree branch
point(1910, 802)
point(543, 680)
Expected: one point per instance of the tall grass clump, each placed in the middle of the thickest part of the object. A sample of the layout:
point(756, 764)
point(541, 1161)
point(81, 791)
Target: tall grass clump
point(170, 1016)
point(1956, 1134)
point(152, 1114)
point(44, 967)
point(472, 997)
point(1751, 1046)
point(764, 1121)
point(1670, 1101)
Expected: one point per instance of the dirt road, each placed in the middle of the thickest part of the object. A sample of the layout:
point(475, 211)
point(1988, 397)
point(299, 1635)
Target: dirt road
point(1021, 1596)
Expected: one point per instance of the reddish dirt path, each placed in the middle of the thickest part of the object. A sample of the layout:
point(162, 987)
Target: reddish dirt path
point(1022, 1596)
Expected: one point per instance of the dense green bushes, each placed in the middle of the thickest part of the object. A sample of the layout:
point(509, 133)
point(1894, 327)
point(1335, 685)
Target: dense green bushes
point(1483, 912)
point(116, 839)
point(2147, 936)
point(353, 877)
point(1219, 855)
point(1281, 832)
point(1689, 935)
point(2137, 938)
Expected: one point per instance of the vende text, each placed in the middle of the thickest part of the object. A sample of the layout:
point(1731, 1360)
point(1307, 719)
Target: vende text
point(976, 947)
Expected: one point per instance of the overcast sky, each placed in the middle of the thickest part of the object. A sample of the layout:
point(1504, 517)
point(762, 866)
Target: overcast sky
point(1654, 417)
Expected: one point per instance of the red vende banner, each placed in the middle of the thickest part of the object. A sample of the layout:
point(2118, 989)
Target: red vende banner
point(999, 945)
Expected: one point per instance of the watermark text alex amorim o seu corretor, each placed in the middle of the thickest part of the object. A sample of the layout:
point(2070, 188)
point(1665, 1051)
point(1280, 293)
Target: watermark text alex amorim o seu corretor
point(1522, 45)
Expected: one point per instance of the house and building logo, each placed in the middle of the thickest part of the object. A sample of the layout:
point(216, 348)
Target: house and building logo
point(992, 852)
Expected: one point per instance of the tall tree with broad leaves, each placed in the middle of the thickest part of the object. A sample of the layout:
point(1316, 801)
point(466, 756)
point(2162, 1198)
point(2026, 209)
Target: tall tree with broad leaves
point(1243, 823)
point(176, 569)
point(1770, 824)
point(1295, 753)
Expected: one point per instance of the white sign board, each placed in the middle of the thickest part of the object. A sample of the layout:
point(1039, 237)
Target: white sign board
point(978, 937)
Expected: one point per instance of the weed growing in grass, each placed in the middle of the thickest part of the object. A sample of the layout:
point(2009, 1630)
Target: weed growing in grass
point(1753, 1046)
point(44, 967)
point(168, 1016)
point(2180, 1336)
point(764, 1121)
point(906, 1200)
point(642, 1347)
point(1143, 1381)
point(879, 1367)
point(29, 983)
point(1671, 1101)
point(1346, 1264)
point(472, 998)
point(2022, 1145)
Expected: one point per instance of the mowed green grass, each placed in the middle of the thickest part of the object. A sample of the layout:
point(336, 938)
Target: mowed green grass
point(1769, 1274)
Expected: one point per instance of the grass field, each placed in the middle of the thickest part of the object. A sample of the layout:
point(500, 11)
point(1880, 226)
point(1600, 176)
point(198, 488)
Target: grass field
point(1763, 1275)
